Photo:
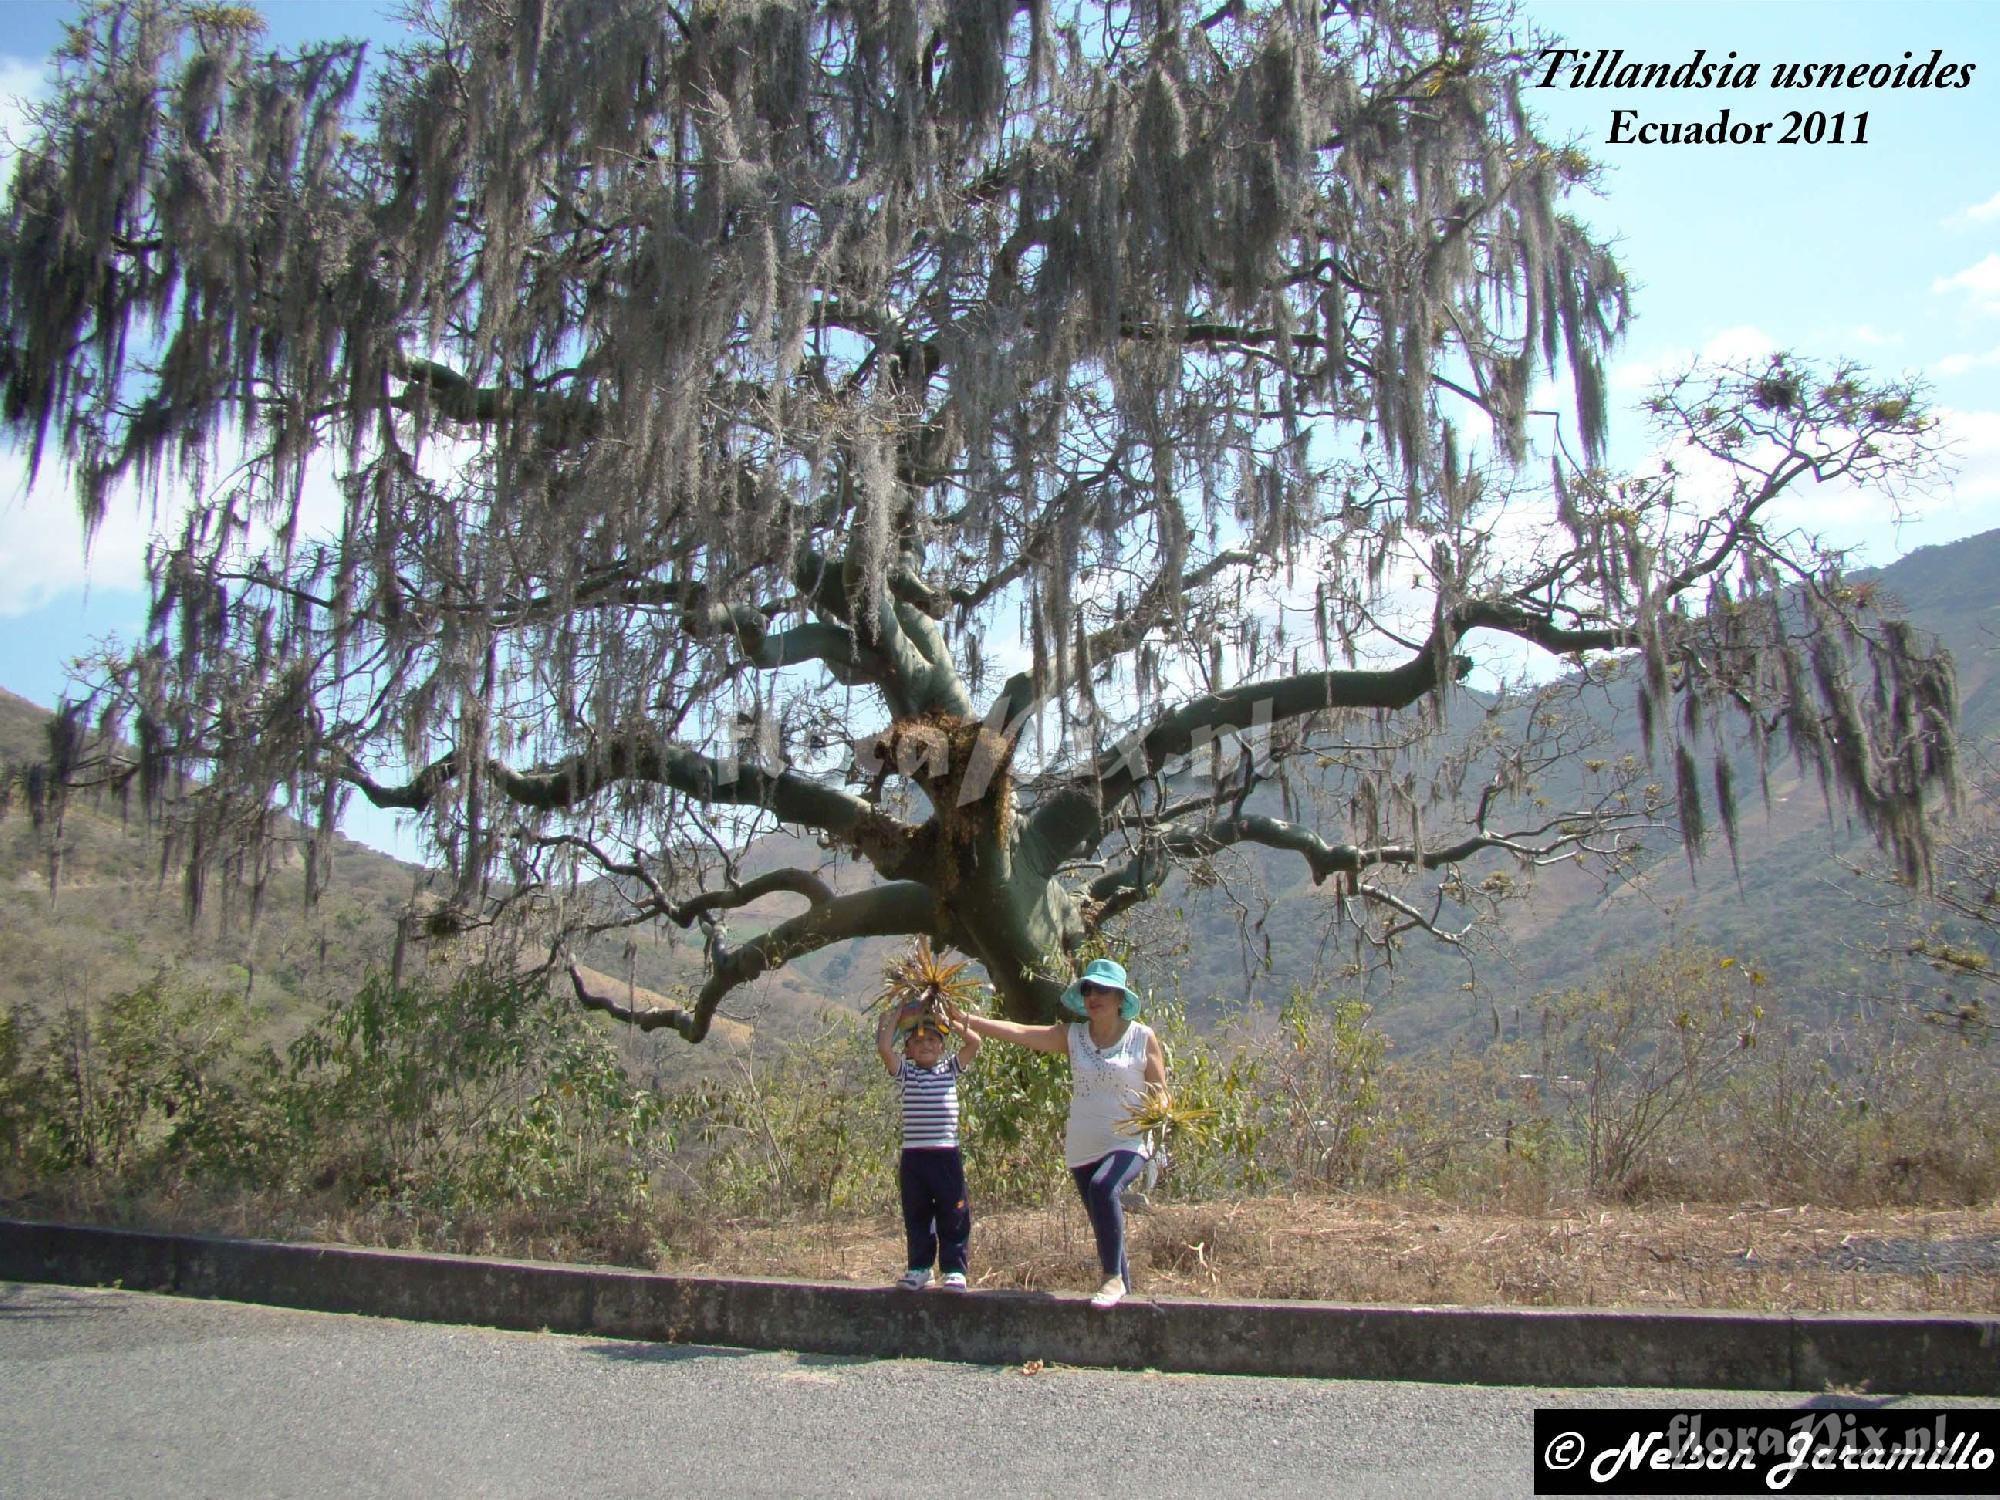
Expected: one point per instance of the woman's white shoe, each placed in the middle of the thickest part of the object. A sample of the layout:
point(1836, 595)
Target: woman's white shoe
point(1110, 1294)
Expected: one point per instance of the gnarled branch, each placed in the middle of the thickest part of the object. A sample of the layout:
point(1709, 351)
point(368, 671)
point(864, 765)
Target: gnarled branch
point(898, 909)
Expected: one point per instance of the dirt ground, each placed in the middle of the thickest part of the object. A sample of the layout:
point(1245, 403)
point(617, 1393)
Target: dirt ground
point(1754, 1256)
point(1354, 1250)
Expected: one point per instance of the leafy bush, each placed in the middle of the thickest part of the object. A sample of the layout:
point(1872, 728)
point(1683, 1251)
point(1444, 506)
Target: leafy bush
point(585, 1141)
point(1014, 1104)
point(156, 1082)
point(1220, 1079)
point(1633, 1062)
point(1326, 1078)
point(479, 1093)
point(814, 1128)
point(17, 1086)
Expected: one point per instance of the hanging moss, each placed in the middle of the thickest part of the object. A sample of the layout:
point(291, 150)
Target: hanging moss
point(662, 347)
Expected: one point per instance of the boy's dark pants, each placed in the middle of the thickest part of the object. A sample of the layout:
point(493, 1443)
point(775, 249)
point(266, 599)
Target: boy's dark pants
point(936, 1221)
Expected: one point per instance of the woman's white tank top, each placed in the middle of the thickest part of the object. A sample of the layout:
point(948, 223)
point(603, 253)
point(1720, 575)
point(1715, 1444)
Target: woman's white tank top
point(1105, 1085)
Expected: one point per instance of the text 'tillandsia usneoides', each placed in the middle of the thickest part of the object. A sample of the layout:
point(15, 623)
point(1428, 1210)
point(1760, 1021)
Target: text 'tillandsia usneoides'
point(1850, 83)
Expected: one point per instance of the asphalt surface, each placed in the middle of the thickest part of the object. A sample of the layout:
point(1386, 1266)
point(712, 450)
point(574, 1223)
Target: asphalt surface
point(110, 1393)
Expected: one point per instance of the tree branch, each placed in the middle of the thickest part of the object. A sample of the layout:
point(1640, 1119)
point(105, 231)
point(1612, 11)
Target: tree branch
point(789, 796)
point(1067, 824)
point(900, 908)
point(797, 882)
point(1138, 879)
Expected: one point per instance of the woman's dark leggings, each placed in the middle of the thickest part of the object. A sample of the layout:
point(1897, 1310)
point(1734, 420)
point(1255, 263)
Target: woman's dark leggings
point(1101, 1182)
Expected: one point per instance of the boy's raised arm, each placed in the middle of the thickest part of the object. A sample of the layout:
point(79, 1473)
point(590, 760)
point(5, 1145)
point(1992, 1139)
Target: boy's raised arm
point(885, 1040)
point(969, 1043)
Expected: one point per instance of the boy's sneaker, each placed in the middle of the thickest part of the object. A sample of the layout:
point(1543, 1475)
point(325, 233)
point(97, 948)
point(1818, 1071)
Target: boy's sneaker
point(954, 1281)
point(1110, 1294)
point(914, 1279)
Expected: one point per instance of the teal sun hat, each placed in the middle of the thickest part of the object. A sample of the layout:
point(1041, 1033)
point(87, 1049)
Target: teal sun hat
point(1109, 974)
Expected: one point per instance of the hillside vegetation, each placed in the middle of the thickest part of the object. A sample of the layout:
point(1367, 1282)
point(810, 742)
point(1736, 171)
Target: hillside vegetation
point(1556, 1168)
point(94, 909)
point(1687, 1038)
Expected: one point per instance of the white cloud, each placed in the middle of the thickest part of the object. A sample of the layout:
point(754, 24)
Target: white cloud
point(1969, 502)
point(1743, 342)
point(42, 555)
point(1981, 283)
point(1732, 345)
point(1882, 527)
point(1961, 364)
point(1979, 213)
point(1874, 338)
point(1972, 440)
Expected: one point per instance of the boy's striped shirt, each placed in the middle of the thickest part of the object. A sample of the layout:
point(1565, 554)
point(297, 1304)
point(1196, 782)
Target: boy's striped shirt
point(930, 1103)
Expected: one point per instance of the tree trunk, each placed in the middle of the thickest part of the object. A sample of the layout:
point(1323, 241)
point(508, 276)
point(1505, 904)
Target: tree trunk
point(1024, 937)
point(1015, 918)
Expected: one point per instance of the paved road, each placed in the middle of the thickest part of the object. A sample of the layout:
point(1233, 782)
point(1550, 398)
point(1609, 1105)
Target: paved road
point(121, 1394)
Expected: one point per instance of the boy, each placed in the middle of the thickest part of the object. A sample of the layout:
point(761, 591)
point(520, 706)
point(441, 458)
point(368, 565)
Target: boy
point(936, 1221)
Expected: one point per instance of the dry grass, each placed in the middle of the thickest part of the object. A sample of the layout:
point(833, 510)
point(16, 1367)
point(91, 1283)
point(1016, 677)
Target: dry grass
point(1326, 1248)
point(1352, 1250)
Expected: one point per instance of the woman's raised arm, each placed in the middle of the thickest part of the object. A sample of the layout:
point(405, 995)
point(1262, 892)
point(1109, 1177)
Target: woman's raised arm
point(1052, 1038)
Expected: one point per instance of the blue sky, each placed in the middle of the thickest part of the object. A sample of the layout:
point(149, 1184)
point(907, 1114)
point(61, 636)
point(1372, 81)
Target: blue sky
point(1888, 252)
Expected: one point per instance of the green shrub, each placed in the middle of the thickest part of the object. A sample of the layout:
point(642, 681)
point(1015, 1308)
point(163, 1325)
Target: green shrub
point(481, 1093)
point(1636, 1061)
point(1326, 1080)
point(813, 1128)
point(18, 1086)
point(156, 1083)
point(1014, 1105)
point(483, 1111)
point(1220, 1079)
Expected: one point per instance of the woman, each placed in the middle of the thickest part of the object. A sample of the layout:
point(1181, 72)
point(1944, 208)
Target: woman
point(1113, 1059)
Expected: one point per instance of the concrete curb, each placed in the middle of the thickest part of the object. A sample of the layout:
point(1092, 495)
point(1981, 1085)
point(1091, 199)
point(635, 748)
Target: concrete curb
point(1930, 1354)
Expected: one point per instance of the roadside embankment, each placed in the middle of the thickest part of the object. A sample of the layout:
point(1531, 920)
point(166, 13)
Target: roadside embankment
point(1929, 1353)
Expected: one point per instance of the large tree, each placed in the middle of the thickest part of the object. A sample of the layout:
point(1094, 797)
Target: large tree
point(1034, 397)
